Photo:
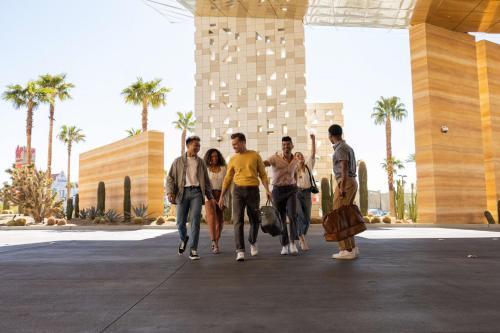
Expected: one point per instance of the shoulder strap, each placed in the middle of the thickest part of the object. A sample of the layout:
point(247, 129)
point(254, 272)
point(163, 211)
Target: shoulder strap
point(311, 177)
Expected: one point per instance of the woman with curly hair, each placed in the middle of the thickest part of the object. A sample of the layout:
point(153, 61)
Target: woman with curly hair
point(215, 215)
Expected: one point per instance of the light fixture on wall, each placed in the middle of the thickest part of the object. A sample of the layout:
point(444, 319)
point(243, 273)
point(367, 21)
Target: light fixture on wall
point(219, 139)
point(444, 129)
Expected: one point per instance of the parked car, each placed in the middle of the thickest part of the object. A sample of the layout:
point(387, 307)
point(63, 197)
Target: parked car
point(377, 212)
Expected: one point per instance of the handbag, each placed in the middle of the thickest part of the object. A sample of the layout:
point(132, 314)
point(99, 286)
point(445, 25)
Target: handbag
point(343, 223)
point(270, 220)
point(314, 187)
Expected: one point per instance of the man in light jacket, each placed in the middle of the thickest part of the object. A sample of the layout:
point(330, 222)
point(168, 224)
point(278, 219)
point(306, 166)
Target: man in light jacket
point(187, 186)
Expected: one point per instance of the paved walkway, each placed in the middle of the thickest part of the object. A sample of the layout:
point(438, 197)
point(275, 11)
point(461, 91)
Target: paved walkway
point(135, 282)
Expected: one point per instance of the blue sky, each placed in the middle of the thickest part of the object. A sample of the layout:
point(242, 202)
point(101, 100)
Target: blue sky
point(104, 45)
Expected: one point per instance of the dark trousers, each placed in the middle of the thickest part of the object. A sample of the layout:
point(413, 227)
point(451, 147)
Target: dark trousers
point(285, 201)
point(246, 197)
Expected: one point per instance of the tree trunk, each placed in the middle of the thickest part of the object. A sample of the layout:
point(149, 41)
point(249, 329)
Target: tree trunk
point(29, 127)
point(68, 184)
point(51, 128)
point(390, 168)
point(144, 116)
point(183, 142)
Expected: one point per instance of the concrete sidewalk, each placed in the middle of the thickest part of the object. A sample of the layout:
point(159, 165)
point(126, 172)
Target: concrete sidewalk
point(142, 285)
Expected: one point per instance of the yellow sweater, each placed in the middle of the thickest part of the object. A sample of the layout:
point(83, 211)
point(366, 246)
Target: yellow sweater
point(245, 169)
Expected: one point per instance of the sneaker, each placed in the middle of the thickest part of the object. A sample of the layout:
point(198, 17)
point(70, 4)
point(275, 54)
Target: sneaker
point(182, 246)
point(346, 255)
point(337, 255)
point(293, 249)
point(240, 256)
point(284, 251)
point(254, 250)
point(193, 255)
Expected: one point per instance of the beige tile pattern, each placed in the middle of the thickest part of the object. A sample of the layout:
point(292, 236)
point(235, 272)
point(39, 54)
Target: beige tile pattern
point(139, 157)
point(250, 78)
point(320, 116)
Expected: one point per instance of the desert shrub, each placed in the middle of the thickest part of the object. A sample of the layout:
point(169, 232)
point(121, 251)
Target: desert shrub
point(19, 222)
point(366, 219)
point(171, 219)
point(387, 219)
point(51, 221)
point(61, 221)
point(7, 211)
point(101, 219)
point(160, 220)
point(376, 219)
point(138, 220)
point(141, 211)
point(112, 216)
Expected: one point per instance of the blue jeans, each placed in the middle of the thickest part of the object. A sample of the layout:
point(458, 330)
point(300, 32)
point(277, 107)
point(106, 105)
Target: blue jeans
point(304, 205)
point(190, 205)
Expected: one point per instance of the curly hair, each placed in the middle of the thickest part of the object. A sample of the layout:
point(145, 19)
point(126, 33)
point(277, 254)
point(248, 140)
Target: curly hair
point(220, 159)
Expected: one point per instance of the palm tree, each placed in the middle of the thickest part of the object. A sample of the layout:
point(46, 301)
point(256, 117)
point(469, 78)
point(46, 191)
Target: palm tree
point(384, 111)
point(70, 135)
point(396, 165)
point(30, 97)
point(59, 89)
point(133, 132)
point(146, 94)
point(411, 158)
point(185, 122)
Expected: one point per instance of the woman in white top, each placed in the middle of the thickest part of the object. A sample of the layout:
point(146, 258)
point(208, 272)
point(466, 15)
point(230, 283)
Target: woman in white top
point(304, 199)
point(215, 215)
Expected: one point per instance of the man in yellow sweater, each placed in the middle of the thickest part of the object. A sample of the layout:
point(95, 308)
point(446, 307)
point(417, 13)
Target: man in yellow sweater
point(244, 169)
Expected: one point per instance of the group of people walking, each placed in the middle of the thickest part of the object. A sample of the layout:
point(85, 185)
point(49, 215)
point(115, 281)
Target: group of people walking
point(193, 182)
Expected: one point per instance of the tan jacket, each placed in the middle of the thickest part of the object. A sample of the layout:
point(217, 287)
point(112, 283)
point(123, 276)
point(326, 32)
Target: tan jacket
point(176, 179)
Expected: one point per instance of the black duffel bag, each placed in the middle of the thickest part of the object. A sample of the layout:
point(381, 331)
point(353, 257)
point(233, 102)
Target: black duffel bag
point(270, 221)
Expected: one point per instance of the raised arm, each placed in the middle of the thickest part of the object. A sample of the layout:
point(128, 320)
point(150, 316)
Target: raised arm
point(313, 149)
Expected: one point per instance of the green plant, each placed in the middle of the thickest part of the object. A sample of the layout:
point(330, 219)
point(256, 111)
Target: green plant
point(57, 89)
point(186, 123)
point(326, 197)
point(127, 203)
point(133, 132)
point(387, 219)
point(112, 216)
point(146, 94)
point(138, 220)
point(69, 209)
point(376, 219)
point(384, 112)
point(101, 197)
point(51, 221)
point(61, 222)
point(141, 211)
point(412, 205)
point(366, 219)
point(400, 200)
point(77, 205)
point(70, 135)
point(30, 189)
point(160, 220)
point(363, 187)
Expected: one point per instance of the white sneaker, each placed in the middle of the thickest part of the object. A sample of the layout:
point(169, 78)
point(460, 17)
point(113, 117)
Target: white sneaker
point(293, 249)
point(336, 255)
point(240, 256)
point(346, 255)
point(284, 251)
point(254, 250)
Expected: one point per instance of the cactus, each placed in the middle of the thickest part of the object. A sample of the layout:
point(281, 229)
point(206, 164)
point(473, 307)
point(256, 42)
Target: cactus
point(412, 205)
point(399, 195)
point(363, 188)
point(77, 205)
point(101, 197)
point(69, 209)
point(326, 197)
point(127, 203)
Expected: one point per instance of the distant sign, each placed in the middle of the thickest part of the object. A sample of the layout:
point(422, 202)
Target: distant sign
point(22, 156)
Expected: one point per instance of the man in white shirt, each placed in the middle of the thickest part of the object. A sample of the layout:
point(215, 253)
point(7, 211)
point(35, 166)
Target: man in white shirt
point(187, 186)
